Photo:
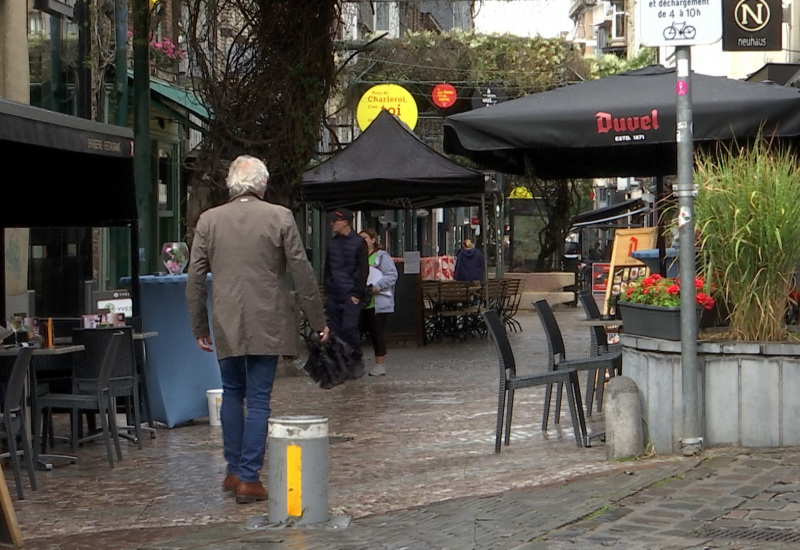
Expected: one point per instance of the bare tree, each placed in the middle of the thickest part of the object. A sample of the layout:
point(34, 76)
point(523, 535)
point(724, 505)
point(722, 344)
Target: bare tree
point(264, 69)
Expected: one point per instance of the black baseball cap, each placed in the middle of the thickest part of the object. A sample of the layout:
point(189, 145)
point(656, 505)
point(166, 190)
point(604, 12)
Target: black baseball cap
point(340, 214)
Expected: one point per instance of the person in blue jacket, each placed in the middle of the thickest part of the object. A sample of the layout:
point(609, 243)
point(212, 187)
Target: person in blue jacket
point(469, 263)
point(345, 278)
point(380, 301)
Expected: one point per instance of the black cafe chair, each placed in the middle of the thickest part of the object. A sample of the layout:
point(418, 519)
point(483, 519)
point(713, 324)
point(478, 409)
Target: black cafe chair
point(13, 424)
point(599, 335)
point(124, 381)
point(97, 398)
point(510, 381)
point(596, 366)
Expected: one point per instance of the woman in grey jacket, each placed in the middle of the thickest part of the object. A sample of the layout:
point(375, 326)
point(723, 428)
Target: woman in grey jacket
point(380, 284)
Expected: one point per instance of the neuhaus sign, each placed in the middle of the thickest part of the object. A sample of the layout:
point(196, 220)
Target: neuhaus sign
point(751, 25)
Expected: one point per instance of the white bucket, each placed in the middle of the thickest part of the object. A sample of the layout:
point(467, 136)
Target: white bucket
point(214, 403)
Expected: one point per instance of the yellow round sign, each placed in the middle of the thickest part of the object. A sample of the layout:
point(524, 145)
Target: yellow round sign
point(520, 193)
point(391, 97)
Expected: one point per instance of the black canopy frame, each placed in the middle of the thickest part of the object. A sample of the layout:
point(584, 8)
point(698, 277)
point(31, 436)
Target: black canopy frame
point(75, 173)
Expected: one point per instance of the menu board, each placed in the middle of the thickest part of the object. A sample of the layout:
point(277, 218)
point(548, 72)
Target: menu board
point(624, 268)
point(622, 277)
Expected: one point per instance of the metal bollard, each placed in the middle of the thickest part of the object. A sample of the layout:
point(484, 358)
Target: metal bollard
point(297, 448)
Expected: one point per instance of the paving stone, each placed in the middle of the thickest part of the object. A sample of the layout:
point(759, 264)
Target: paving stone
point(416, 469)
point(774, 515)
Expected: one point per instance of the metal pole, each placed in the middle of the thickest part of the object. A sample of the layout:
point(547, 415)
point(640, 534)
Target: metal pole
point(691, 442)
point(485, 250)
point(498, 225)
point(83, 96)
point(145, 196)
point(121, 61)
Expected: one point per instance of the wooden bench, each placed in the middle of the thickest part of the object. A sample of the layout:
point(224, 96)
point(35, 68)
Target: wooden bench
point(545, 286)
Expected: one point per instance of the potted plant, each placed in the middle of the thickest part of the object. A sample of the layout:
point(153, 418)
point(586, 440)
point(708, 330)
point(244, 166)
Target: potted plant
point(651, 306)
point(747, 216)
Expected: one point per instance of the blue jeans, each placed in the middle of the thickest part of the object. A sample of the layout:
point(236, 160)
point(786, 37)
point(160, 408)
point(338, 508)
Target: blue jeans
point(244, 440)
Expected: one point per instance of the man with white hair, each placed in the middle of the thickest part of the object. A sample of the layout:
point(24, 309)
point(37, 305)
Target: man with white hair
point(248, 244)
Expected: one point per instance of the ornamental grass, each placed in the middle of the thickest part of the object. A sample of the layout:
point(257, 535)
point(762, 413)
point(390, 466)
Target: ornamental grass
point(747, 217)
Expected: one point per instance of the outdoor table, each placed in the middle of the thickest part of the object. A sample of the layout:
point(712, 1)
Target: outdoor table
point(452, 308)
point(44, 460)
point(602, 322)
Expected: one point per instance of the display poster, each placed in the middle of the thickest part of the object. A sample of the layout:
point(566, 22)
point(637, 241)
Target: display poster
point(600, 277)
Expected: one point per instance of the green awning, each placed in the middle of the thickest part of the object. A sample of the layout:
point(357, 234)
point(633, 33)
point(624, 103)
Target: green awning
point(181, 96)
point(176, 96)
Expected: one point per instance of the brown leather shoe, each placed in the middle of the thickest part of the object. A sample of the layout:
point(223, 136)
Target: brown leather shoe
point(230, 482)
point(250, 491)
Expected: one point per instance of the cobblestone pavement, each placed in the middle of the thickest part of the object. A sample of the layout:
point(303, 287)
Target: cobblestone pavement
point(412, 464)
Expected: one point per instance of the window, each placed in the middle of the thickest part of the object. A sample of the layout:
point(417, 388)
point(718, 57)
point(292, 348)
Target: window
point(387, 18)
point(382, 16)
point(619, 20)
point(35, 23)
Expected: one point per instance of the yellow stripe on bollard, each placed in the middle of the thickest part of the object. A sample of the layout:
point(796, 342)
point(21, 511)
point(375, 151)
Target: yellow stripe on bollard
point(294, 481)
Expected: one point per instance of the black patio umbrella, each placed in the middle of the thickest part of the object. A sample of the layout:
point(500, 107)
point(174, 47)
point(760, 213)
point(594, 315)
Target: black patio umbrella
point(622, 125)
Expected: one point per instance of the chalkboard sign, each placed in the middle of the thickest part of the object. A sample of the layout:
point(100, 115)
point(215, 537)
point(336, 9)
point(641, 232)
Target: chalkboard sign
point(405, 324)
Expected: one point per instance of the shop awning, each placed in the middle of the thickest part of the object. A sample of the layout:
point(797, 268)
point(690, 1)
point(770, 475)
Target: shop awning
point(172, 98)
point(610, 213)
point(76, 172)
point(181, 96)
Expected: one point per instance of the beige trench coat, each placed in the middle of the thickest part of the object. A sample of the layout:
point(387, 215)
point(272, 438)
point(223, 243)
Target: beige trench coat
point(247, 245)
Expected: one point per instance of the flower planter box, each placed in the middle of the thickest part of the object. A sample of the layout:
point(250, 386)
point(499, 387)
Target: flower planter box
point(652, 321)
point(747, 391)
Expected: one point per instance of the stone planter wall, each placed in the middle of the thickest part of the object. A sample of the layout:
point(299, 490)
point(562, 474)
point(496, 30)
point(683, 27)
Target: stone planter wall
point(749, 393)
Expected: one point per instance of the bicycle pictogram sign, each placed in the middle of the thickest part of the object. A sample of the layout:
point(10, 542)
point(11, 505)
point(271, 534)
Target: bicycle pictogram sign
point(679, 29)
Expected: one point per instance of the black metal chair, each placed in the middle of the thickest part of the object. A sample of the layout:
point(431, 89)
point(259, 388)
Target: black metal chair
point(610, 362)
point(599, 335)
point(13, 424)
point(140, 356)
point(124, 381)
point(512, 296)
point(97, 398)
point(510, 381)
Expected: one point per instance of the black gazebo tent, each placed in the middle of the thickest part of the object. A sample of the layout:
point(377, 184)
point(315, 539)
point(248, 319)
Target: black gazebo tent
point(73, 173)
point(389, 167)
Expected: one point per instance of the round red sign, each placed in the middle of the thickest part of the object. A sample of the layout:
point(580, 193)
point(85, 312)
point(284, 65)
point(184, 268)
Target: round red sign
point(444, 95)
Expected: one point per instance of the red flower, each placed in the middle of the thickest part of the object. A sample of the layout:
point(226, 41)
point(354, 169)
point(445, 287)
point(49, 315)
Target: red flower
point(674, 289)
point(704, 300)
point(698, 284)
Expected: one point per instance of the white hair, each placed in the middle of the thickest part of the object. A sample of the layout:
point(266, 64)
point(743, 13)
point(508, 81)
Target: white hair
point(247, 175)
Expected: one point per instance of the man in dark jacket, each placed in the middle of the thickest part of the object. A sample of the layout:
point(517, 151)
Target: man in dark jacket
point(346, 269)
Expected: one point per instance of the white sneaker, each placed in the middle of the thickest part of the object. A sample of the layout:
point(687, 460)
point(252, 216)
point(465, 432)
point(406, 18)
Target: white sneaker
point(378, 370)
